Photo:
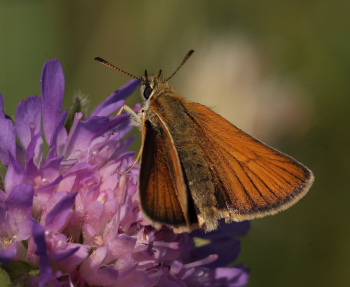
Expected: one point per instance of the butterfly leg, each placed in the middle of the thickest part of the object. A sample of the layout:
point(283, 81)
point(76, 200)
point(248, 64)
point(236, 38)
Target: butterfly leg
point(135, 162)
point(133, 114)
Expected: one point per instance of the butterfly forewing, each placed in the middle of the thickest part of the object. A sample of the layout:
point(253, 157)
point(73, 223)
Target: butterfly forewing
point(252, 179)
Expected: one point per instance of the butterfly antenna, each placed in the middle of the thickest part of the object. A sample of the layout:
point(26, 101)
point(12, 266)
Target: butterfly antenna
point(109, 65)
point(182, 63)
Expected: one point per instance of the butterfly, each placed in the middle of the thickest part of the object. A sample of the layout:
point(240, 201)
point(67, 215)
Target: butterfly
point(197, 167)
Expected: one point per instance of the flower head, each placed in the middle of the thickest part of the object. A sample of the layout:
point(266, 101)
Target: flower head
point(73, 217)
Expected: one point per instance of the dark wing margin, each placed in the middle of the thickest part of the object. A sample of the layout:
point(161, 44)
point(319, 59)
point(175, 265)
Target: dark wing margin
point(162, 190)
point(251, 179)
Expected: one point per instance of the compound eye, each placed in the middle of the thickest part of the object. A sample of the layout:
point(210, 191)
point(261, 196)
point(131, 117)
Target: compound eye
point(147, 92)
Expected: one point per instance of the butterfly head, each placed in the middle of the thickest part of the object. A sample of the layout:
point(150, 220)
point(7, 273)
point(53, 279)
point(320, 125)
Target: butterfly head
point(157, 84)
point(153, 85)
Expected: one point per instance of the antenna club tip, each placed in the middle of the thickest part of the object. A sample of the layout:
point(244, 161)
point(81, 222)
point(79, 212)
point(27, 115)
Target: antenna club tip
point(190, 52)
point(98, 59)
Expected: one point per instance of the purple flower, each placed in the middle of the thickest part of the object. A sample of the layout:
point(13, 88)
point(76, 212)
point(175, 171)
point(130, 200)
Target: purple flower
point(222, 242)
point(70, 214)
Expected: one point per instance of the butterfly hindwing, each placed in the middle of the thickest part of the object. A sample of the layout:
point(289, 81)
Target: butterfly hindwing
point(162, 190)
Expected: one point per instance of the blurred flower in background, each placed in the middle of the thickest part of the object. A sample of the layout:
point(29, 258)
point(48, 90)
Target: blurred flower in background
point(68, 217)
point(234, 72)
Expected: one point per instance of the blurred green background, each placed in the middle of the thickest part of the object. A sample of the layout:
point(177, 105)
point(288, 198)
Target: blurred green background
point(278, 69)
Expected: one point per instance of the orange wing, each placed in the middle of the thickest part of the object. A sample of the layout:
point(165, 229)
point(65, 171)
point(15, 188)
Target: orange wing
point(163, 194)
point(251, 179)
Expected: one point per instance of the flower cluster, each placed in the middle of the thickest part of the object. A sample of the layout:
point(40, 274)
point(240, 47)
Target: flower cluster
point(70, 217)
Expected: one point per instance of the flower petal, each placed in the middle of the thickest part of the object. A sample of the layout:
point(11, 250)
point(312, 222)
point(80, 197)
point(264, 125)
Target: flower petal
point(34, 155)
point(7, 140)
point(51, 169)
point(94, 272)
point(84, 133)
point(58, 138)
point(24, 229)
point(43, 194)
point(227, 249)
point(116, 100)
point(232, 277)
point(8, 254)
point(20, 201)
point(75, 259)
point(135, 279)
point(2, 108)
point(46, 272)
point(58, 217)
point(64, 254)
point(92, 128)
point(52, 88)
point(28, 119)
point(14, 176)
point(223, 243)
point(122, 244)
